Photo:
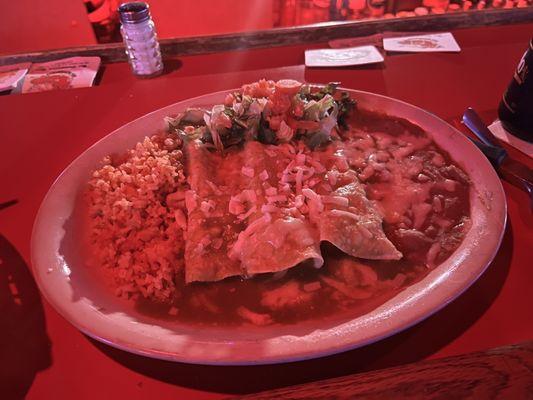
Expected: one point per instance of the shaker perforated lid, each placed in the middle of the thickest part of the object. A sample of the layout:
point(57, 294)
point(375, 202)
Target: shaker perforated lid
point(133, 13)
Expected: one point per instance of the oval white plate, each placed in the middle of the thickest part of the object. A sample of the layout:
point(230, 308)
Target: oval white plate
point(81, 298)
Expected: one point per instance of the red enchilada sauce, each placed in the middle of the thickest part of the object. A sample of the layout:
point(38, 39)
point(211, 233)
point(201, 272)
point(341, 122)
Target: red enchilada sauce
point(424, 199)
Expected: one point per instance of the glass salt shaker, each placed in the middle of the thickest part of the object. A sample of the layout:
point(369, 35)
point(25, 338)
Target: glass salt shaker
point(140, 39)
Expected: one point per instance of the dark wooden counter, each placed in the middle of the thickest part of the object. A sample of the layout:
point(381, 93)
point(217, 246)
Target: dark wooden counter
point(502, 373)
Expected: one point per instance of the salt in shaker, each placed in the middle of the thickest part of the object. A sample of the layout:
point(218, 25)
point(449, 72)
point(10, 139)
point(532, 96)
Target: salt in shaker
point(140, 39)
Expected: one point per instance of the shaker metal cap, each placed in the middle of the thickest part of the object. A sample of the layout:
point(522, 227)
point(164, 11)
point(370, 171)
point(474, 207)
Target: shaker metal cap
point(135, 12)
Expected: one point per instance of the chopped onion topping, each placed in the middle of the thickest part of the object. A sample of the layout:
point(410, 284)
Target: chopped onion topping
point(271, 191)
point(299, 201)
point(237, 248)
point(342, 164)
point(449, 185)
point(269, 208)
point(310, 194)
point(181, 220)
point(326, 187)
point(247, 171)
point(249, 195)
point(270, 152)
point(235, 206)
point(217, 243)
point(191, 200)
point(340, 213)
point(252, 210)
point(207, 207)
point(214, 188)
point(332, 177)
point(298, 179)
point(432, 254)
point(300, 159)
point(336, 200)
point(319, 168)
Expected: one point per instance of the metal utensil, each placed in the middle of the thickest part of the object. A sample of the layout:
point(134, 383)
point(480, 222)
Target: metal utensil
point(474, 122)
point(512, 171)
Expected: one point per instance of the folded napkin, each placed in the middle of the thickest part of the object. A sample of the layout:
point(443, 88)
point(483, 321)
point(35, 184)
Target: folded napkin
point(499, 131)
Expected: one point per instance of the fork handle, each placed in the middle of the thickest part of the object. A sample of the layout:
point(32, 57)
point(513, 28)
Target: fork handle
point(474, 122)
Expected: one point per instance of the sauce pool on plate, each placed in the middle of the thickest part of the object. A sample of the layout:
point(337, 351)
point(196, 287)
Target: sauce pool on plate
point(177, 238)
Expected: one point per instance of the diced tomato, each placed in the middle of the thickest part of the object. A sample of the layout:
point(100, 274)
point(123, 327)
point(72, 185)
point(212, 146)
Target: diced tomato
point(291, 122)
point(228, 101)
point(280, 103)
point(262, 88)
point(288, 86)
point(274, 121)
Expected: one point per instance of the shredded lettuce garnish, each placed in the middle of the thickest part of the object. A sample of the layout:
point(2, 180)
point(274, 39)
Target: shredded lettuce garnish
point(313, 114)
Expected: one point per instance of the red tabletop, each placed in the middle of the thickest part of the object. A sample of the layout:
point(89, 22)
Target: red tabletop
point(43, 356)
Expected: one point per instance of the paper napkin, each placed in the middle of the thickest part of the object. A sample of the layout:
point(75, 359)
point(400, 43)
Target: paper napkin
point(437, 42)
point(343, 57)
point(499, 131)
point(11, 75)
point(68, 73)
